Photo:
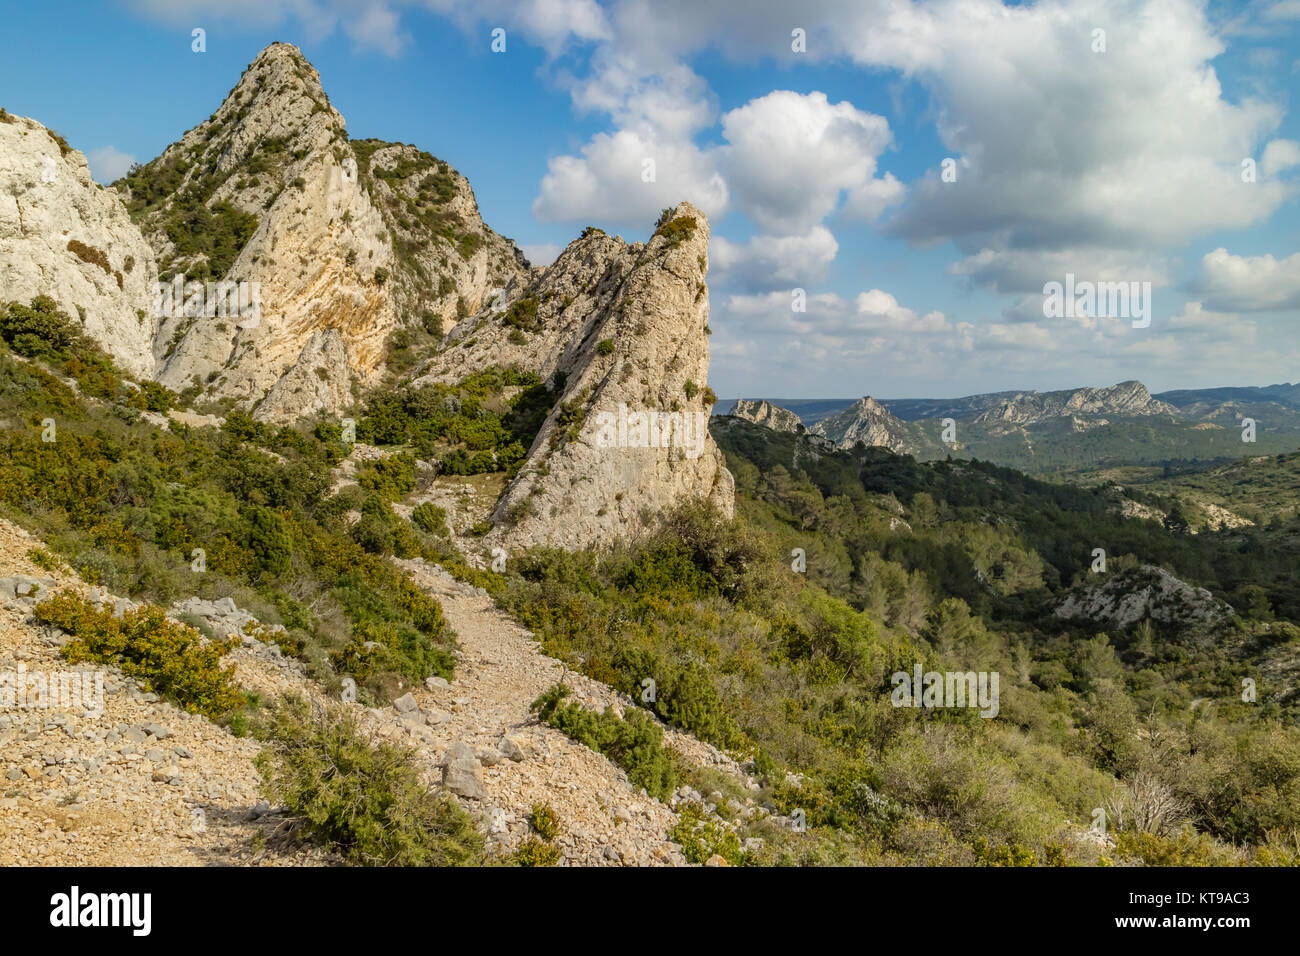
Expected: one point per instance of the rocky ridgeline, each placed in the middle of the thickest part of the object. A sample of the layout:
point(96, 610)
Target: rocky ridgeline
point(329, 247)
point(64, 236)
point(1083, 408)
point(763, 412)
point(617, 331)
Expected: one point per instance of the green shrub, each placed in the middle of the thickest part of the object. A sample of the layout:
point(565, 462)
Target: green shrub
point(171, 659)
point(633, 742)
point(393, 476)
point(523, 314)
point(701, 838)
point(431, 519)
point(544, 821)
point(364, 800)
point(269, 540)
point(533, 852)
point(676, 231)
point(153, 397)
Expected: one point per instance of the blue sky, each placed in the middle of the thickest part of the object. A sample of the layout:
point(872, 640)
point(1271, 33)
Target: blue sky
point(820, 169)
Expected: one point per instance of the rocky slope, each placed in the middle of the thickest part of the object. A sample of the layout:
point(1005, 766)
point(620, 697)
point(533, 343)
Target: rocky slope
point(1127, 597)
point(1083, 407)
point(345, 241)
point(866, 421)
point(762, 412)
point(144, 783)
point(64, 236)
point(619, 333)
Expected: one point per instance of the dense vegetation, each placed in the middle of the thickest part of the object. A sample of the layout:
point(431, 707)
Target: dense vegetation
point(773, 635)
point(244, 511)
point(206, 237)
point(163, 656)
point(955, 566)
point(484, 424)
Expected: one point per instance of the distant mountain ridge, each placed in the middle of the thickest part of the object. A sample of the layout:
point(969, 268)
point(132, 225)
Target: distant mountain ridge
point(1124, 424)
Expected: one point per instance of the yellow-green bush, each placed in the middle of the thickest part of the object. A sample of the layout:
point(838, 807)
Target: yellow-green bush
point(169, 658)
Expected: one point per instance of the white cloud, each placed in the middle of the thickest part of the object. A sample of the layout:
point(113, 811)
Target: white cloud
point(1070, 147)
point(765, 262)
point(1028, 270)
point(880, 310)
point(791, 156)
point(1279, 156)
point(108, 164)
point(1224, 326)
point(377, 28)
point(606, 183)
point(1231, 283)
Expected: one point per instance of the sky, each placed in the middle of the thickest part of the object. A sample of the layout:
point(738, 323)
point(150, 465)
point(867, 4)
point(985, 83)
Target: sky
point(892, 185)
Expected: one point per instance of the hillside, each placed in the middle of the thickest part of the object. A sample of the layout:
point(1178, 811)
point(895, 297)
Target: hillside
point(414, 554)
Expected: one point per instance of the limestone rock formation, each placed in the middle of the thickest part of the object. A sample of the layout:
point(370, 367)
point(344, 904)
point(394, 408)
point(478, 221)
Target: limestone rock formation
point(318, 380)
point(866, 421)
point(1081, 408)
point(1127, 597)
point(64, 236)
point(619, 332)
point(354, 238)
point(763, 412)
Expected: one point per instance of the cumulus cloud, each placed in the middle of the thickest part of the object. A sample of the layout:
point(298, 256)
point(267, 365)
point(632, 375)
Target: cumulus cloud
point(109, 164)
point(1232, 283)
point(1070, 147)
point(609, 182)
point(766, 262)
point(880, 310)
point(791, 156)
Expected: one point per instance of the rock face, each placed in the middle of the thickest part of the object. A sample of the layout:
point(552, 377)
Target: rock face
point(866, 421)
point(618, 331)
point(1127, 597)
point(1083, 408)
point(319, 380)
point(340, 243)
point(64, 236)
point(771, 416)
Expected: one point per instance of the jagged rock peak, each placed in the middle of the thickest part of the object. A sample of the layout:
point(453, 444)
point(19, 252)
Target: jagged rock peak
point(359, 238)
point(64, 236)
point(620, 332)
point(763, 412)
point(865, 421)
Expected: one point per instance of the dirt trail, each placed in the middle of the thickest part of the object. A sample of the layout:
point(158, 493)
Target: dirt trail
point(144, 783)
point(501, 670)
